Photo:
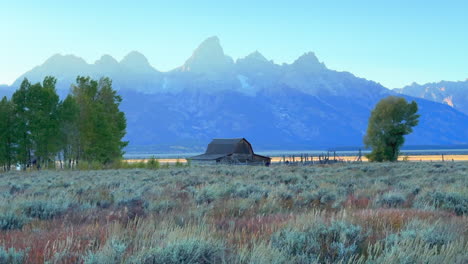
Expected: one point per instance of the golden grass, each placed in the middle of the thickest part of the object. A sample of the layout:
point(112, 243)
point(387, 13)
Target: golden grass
point(413, 158)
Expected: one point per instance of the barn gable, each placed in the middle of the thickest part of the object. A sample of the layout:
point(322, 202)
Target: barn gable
point(231, 151)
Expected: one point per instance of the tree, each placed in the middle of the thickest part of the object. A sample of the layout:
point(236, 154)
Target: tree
point(69, 134)
point(7, 134)
point(21, 125)
point(101, 124)
point(87, 125)
point(36, 122)
point(43, 104)
point(392, 119)
point(84, 93)
point(113, 123)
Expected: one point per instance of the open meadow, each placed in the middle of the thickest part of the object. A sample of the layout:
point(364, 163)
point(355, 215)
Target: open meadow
point(401, 212)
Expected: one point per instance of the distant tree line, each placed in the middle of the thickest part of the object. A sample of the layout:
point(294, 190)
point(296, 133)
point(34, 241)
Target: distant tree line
point(37, 129)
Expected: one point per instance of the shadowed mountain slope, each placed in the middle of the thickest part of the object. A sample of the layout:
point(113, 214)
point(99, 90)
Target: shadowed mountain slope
point(290, 106)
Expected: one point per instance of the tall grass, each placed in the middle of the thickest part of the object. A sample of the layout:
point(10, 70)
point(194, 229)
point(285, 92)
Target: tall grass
point(347, 213)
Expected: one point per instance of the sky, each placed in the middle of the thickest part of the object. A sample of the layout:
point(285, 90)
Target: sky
point(394, 42)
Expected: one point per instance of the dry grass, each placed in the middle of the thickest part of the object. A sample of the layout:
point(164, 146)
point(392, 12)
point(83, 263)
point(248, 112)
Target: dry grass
point(411, 158)
point(345, 213)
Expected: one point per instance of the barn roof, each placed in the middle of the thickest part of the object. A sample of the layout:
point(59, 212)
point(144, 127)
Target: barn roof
point(221, 147)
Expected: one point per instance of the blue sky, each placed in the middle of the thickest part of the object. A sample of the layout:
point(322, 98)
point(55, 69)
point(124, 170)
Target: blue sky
point(394, 43)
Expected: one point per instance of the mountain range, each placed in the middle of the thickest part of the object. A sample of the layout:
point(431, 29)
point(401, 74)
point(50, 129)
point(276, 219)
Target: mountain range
point(454, 94)
point(302, 105)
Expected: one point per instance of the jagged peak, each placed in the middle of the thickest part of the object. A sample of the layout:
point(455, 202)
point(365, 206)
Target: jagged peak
point(61, 59)
point(210, 44)
point(308, 57)
point(209, 56)
point(256, 55)
point(106, 60)
point(135, 59)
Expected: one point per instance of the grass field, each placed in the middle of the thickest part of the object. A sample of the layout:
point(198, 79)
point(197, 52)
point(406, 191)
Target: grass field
point(406, 212)
point(412, 158)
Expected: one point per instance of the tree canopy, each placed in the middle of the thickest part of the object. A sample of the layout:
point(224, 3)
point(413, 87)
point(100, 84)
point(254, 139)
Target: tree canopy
point(392, 118)
point(36, 127)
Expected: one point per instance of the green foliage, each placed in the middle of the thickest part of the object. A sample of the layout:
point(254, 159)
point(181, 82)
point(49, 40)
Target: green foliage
point(209, 194)
point(100, 197)
point(37, 121)
point(186, 251)
point(454, 202)
point(163, 206)
point(338, 241)
point(9, 220)
point(265, 254)
point(12, 256)
point(45, 209)
point(416, 251)
point(392, 199)
point(21, 128)
point(244, 214)
point(87, 126)
point(69, 133)
point(392, 119)
point(90, 165)
point(111, 253)
point(101, 124)
point(153, 164)
point(435, 234)
point(7, 134)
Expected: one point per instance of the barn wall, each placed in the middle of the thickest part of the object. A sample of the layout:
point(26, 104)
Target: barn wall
point(244, 147)
point(203, 162)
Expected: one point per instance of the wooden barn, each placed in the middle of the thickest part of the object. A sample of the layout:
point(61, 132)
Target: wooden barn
point(230, 151)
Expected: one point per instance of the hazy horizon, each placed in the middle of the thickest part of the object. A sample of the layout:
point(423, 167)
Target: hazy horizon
point(395, 46)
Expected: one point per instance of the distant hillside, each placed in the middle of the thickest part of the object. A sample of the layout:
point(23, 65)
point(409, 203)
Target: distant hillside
point(290, 106)
point(454, 94)
point(5, 90)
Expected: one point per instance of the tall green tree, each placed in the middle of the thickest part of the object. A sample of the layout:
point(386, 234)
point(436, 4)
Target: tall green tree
point(101, 124)
point(7, 134)
point(87, 125)
point(36, 122)
point(22, 123)
point(43, 104)
point(69, 134)
point(113, 123)
point(392, 119)
point(84, 93)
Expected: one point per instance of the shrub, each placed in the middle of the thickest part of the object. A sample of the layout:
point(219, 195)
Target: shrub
point(16, 188)
point(162, 206)
point(93, 165)
point(188, 251)
point(326, 196)
point(153, 164)
point(416, 251)
point(391, 199)
point(248, 191)
point(264, 254)
point(9, 220)
point(338, 241)
point(210, 193)
point(12, 256)
point(306, 199)
point(101, 197)
point(111, 253)
point(432, 234)
point(454, 202)
point(179, 164)
point(45, 209)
